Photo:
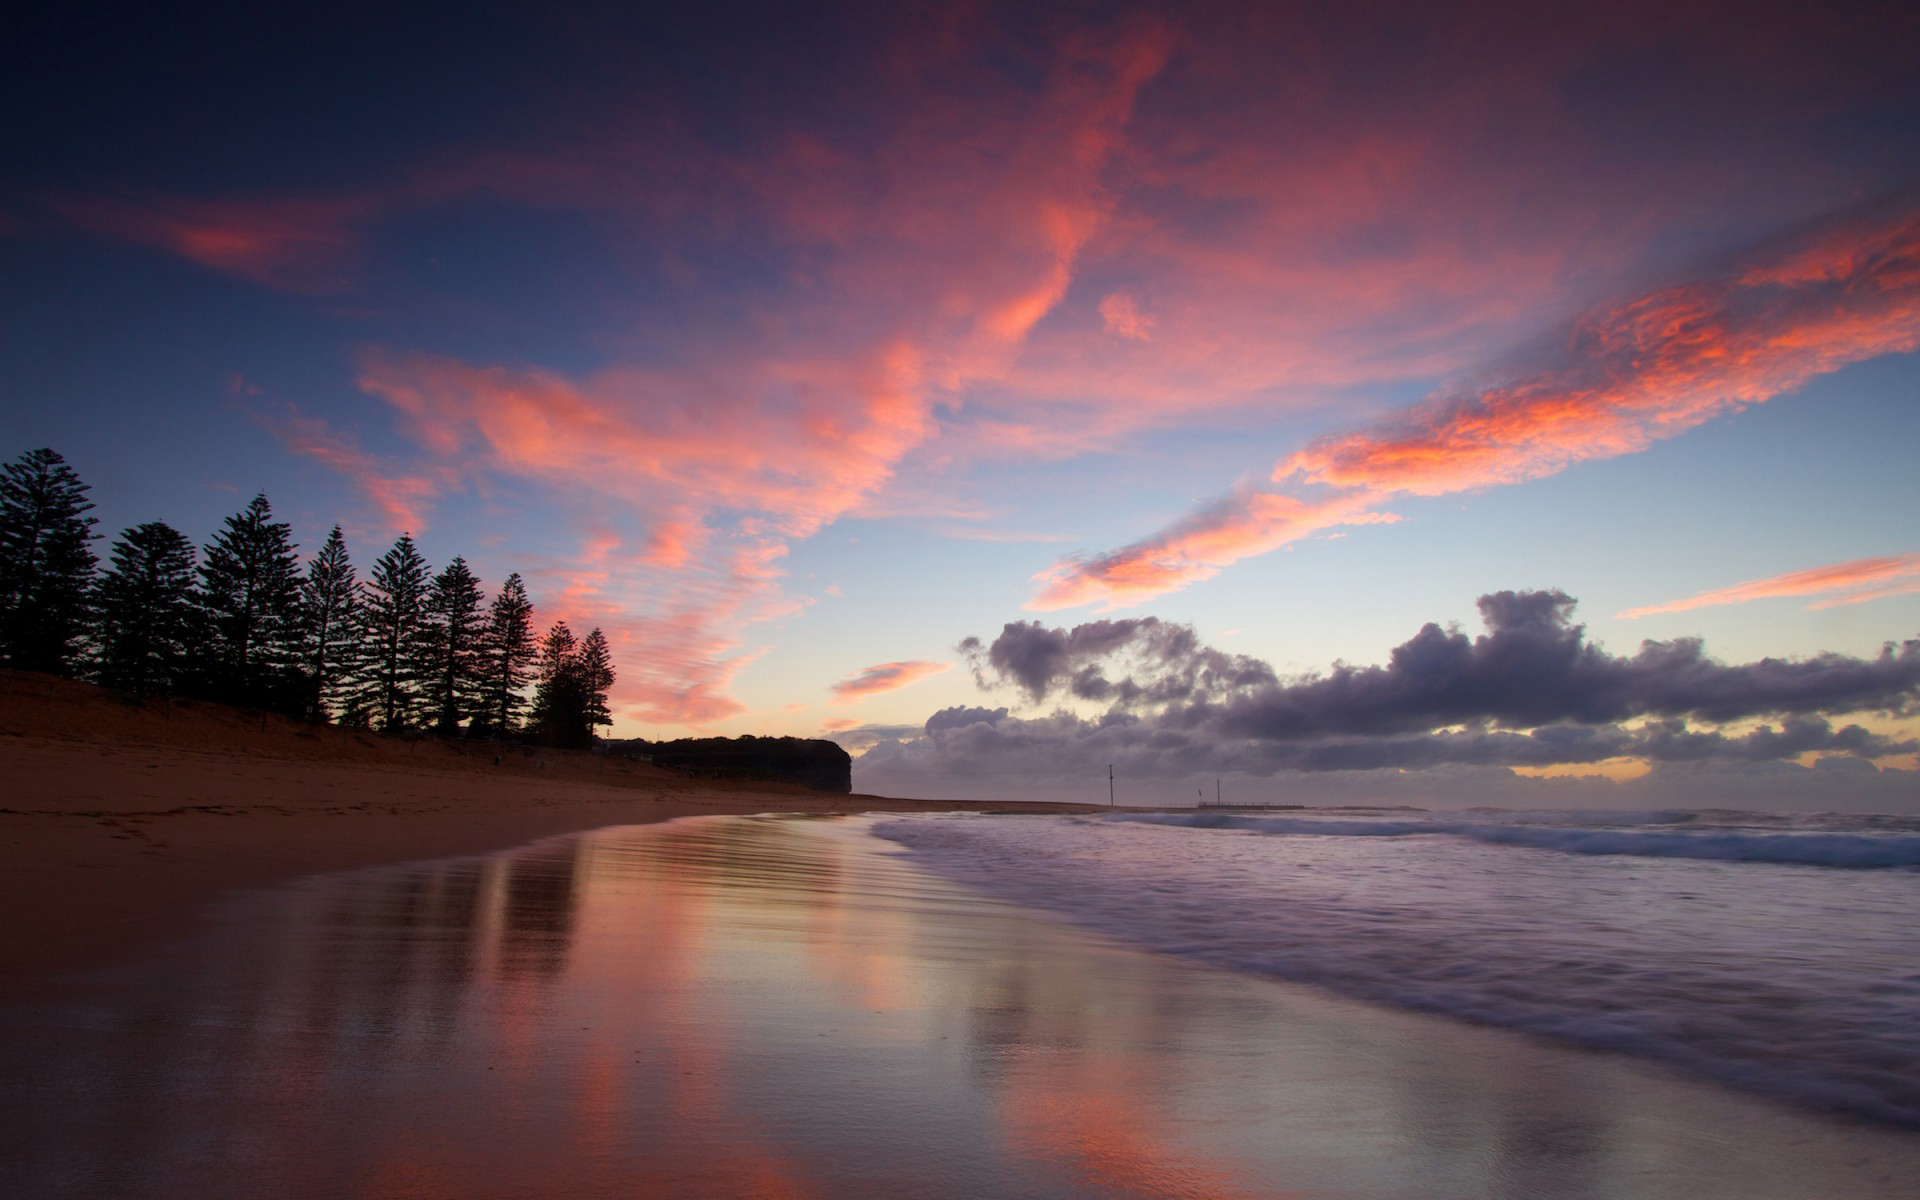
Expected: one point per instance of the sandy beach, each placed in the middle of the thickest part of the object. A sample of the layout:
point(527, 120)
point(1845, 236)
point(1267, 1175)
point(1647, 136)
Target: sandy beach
point(121, 817)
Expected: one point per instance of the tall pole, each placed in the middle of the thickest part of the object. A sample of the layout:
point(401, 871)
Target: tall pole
point(1109, 785)
point(1216, 790)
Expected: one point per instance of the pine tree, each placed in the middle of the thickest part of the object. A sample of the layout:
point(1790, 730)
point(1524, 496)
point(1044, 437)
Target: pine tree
point(595, 665)
point(144, 610)
point(46, 565)
point(393, 630)
point(455, 629)
point(249, 598)
point(509, 651)
point(329, 609)
point(559, 700)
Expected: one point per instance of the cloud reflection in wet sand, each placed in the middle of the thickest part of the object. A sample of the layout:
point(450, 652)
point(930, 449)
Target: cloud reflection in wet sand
point(781, 1008)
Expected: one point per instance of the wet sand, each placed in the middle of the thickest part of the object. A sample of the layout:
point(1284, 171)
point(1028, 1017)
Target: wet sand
point(741, 1007)
point(120, 818)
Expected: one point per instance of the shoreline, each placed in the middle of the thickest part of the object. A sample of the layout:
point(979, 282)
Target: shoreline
point(124, 819)
point(736, 1007)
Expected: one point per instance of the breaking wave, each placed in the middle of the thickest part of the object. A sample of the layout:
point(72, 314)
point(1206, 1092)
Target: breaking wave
point(1701, 941)
point(1809, 848)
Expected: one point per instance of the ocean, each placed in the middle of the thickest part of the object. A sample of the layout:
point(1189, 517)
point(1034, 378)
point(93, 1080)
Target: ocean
point(1778, 954)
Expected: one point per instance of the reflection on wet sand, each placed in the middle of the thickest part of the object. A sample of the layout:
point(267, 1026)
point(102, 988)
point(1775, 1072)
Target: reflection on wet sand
point(781, 1008)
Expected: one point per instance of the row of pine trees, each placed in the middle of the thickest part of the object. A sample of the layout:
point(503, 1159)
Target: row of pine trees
point(240, 622)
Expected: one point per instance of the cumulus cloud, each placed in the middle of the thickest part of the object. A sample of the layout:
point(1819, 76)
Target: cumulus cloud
point(960, 714)
point(1530, 691)
point(1168, 663)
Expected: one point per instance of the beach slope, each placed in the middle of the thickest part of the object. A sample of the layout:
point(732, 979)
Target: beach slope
point(122, 815)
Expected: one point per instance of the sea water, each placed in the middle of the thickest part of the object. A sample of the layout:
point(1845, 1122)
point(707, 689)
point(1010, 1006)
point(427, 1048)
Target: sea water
point(1779, 954)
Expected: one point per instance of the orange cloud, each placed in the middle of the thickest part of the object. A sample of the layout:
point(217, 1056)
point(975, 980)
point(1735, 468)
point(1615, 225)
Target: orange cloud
point(761, 434)
point(676, 663)
point(1899, 574)
point(1898, 589)
point(800, 442)
point(1122, 315)
point(884, 677)
point(299, 243)
point(1650, 369)
point(400, 497)
point(1630, 375)
point(1247, 524)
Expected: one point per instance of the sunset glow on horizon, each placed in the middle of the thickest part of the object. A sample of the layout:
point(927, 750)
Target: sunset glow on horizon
point(1330, 400)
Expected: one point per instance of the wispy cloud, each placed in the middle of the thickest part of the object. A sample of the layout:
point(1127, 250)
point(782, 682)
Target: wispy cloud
point(1628, 376)
point(1853, 582)
point(298, 243)
point(401, 497)
point(1122, 315)
point(884, 677)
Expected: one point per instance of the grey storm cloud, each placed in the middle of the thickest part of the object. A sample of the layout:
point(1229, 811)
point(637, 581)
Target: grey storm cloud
point(1530, 691)
point(954, 718)
point(1170, 662)
point(1533, 666)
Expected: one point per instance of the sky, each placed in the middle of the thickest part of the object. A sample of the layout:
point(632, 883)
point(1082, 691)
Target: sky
point(1357, 404)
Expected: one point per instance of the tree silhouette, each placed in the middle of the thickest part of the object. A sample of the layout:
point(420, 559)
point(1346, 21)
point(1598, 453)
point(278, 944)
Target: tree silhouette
point(144, 610)
point(454, 631)
point(559, 698)
point(249, 597)
point(509, 651)
point(245, 625)
point(595, 665)
point(395, 629)
point(329, 611)
point(571, 699)
point(46, 564)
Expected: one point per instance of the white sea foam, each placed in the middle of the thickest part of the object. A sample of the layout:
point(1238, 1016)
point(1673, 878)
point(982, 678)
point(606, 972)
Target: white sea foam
point(1803, 847)
point(1720, 943)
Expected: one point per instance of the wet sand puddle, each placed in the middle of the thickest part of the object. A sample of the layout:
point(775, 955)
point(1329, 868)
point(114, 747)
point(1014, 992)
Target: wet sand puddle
point(767, 1007)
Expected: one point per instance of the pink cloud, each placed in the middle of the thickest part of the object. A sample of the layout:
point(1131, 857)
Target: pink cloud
point(799, 442)
point(1895, 575)
point(884, 677)
point(1629, 376)
point(401, 497)
point(1861, 597)
point(676, 647)
point(1122, 315)
point(1647, 370)
point(763, 434)
point(300, 243)
point(957, 281)
point(1246, 524)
